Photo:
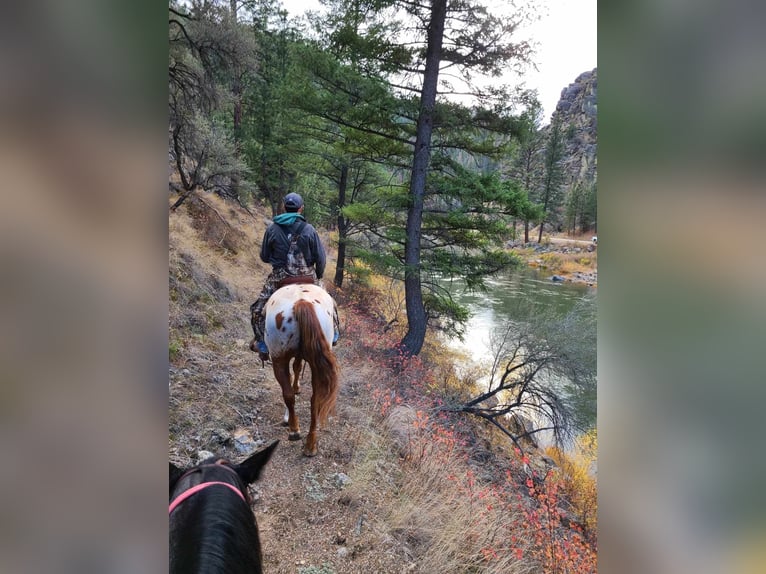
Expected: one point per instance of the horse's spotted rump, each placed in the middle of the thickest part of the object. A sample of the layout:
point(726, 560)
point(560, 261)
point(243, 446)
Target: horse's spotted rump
point(299, 328)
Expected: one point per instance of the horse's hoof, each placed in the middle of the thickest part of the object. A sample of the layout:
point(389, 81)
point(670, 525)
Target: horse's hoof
point(309, 453)
point(293, 436)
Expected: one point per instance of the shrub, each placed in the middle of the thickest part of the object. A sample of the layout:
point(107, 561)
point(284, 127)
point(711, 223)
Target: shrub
point(578, 483)
point(174, 349)
point(552, 261)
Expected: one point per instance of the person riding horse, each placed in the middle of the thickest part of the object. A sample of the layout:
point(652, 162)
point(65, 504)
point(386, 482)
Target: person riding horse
point(295, 252)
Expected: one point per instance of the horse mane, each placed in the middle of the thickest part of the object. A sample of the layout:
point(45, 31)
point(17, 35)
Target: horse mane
point(212, 528)
point(221, 529)
point(316, 351)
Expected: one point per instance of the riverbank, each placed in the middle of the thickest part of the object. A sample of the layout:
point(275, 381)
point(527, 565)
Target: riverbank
point(564, 259)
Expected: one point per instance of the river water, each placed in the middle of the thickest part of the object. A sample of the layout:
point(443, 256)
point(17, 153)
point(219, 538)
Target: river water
point(506, 294)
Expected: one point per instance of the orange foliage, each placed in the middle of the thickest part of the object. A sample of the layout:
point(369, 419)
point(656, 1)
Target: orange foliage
point(577, 478)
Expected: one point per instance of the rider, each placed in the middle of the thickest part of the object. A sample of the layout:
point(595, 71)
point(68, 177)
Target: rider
point(305, 264)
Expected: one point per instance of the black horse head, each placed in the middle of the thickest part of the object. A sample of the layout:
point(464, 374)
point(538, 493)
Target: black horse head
point(212, 527)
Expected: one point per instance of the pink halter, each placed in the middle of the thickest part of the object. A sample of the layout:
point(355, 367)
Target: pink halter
point(195, 489)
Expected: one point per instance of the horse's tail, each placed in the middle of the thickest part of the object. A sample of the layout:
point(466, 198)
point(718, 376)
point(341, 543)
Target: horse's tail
point(316, 351)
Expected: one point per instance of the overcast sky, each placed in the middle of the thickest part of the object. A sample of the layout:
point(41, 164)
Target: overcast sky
point(567, 38)
point(566, 44)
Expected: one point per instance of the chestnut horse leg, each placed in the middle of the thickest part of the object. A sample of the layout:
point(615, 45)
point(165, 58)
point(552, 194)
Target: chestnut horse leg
point(297, 366)
point(282, 374)
point(310, 448)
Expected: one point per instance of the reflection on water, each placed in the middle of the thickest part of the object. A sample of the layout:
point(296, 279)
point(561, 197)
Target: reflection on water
point(501, 302)
point(506, 295)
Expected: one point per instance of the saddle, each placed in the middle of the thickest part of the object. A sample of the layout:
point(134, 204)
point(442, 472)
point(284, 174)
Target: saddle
point(295, 279)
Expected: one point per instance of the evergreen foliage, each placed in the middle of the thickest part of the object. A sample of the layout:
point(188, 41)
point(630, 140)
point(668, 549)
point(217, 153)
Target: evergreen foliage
point(337, 110)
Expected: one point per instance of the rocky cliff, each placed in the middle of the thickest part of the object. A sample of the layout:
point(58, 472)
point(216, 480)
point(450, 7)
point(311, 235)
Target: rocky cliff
point(577, 110)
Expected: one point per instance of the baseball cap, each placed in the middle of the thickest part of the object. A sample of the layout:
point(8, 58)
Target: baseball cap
point(292, 201)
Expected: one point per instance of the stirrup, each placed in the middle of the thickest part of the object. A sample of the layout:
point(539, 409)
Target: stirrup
point(335, 338)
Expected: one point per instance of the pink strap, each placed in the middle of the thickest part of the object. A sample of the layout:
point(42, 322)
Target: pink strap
point(195, 489)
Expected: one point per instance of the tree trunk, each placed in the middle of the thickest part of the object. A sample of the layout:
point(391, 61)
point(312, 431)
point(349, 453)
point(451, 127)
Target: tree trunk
point(413, 340)
point(341, 264)
point(526, 231)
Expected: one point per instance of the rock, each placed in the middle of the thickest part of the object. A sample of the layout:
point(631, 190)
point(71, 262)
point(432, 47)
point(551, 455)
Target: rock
point(557, 279)
point(341, 479)
point(221, 436)
point(244, 443)
point(577, 111)
point(342, 552)
point(204, 455)
point(359, 524)
point(548, 461)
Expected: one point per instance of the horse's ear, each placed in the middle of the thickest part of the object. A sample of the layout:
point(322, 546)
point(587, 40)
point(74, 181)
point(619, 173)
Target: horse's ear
point(250, 469)
point(175, 474)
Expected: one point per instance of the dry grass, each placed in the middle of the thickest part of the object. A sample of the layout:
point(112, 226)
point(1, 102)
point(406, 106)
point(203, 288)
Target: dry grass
point(568, 263)
point(578, 481)
point(199, 233)
point(452, 521)
point(560, 258)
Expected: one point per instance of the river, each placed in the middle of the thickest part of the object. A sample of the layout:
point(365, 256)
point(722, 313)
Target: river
point(505, 294)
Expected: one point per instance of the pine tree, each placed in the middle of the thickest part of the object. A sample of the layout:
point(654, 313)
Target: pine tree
point(551, 193)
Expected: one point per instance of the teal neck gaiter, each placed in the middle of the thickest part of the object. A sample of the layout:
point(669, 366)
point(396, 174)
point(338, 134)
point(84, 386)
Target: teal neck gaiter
point(288, 218)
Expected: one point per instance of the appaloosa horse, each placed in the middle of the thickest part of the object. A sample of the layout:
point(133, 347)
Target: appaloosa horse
point(212, 528)
point(299, 325)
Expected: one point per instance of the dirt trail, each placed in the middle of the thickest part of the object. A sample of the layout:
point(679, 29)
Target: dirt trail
point(572, 242)
point(313, 516)
point(311, 519)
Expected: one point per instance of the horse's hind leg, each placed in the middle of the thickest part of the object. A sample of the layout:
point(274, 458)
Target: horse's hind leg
point(282, 374)
point(297, 366)
point(310, 448)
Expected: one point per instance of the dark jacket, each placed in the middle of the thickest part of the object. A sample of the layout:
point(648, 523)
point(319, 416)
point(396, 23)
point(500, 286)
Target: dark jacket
point(275, 246)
